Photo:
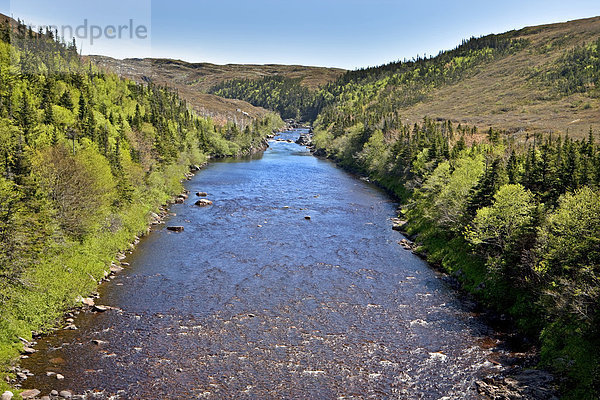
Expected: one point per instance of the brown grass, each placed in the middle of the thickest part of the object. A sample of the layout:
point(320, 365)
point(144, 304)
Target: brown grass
point(501, 94)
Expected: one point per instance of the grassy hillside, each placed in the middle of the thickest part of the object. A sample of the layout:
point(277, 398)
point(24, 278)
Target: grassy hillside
point(518, 92)
point(194, 81)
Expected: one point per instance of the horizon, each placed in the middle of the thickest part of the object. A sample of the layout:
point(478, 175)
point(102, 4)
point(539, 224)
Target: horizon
point(328, 34)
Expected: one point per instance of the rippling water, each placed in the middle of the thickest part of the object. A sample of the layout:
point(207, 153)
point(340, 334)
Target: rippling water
point(253, 300)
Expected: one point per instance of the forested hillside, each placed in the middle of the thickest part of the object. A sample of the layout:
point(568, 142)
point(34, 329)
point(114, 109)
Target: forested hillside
point(195, 82)
point(493, 149)
point(85, 158)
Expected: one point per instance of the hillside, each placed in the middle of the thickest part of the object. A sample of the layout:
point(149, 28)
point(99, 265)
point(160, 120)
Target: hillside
point(519, 81)
point(194, 80)
point(509, 94)
point(490, 196)
point(520, 88)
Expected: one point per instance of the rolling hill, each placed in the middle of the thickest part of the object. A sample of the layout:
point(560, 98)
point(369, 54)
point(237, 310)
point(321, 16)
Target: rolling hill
point(194, 80)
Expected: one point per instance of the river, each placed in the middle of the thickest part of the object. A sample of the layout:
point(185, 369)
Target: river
point(256, 301)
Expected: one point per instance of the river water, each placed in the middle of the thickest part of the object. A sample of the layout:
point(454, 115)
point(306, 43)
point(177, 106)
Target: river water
point(255, 301)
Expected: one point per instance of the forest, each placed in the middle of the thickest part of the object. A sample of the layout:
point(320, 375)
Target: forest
point(515, 218)
point(85, 158)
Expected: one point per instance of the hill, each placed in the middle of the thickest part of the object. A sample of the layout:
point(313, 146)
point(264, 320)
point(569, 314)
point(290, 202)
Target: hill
point(535, 80)
point(194, 81)
point(510, 93)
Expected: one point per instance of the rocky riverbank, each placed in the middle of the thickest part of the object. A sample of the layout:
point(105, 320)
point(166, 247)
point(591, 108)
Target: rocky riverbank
point(18, 376)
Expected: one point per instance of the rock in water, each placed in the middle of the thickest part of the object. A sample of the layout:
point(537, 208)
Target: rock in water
point(29, 394)
point(203, 202)
point(7, 395)
point(175, 228)
point(201, 194)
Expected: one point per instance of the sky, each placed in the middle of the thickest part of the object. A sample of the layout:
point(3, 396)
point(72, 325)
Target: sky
point(335, 33)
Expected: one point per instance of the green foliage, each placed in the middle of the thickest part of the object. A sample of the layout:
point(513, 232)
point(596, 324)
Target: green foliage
point(277, 93)
point(578, 70)
point(570, 246)
point(498, 231)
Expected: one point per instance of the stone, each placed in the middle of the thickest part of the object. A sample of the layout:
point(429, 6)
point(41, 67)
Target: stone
point(50, 373)
point(29, 394)
point(203, 202)
point(201, 194)
point(60, 377)
point(54, 393)
point(179, 200)
point(175, 228)
point(99, 308)
point(21, 375)
point(45, 398)
point(28, 350)
point(307, 217)
point(65, 394)
point(71, 327)
point(125, 264)
point(88, 301)
point(7, 395)
point(98, 342)
point(114, 268)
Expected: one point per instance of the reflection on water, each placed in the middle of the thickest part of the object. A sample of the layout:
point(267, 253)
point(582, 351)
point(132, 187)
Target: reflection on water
point(253, 300)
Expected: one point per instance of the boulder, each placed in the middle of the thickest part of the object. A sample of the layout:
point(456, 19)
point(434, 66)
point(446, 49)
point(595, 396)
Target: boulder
point(99, 308)
point(7, 395)
point(201, 194)
point(204, 203)
point(114, 268)
point(30, 394)
point(307, 217)
point(88, 301)
point(65, 394)
point(175, 228)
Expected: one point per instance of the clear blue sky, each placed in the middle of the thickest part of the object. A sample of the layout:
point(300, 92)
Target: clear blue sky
point(341, 33)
